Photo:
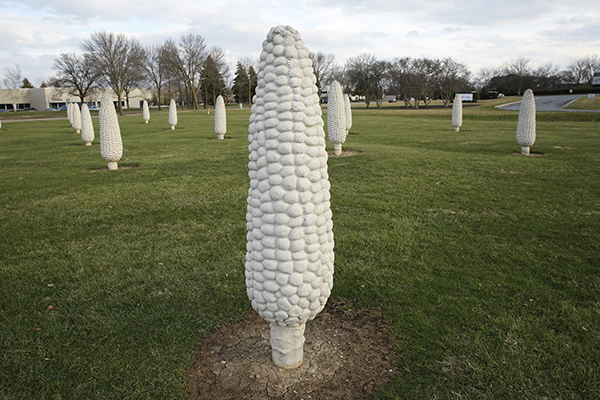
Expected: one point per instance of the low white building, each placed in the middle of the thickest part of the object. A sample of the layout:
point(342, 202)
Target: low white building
point(45, 98)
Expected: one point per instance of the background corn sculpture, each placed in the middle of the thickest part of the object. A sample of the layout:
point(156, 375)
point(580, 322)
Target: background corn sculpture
point(145, 112)
point(457, 112)
point(336, 117)
point(526, 123)
point(172, 114)
point(348, 109)
point(111, 146)
point(70, 113)
point(220, 118)
point(289, 259)
point(76, 118)
point(87, 128)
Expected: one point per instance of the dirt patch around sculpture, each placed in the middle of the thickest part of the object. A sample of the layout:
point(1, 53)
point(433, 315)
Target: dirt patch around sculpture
point(348, 354)
point(119, 167)
point(516, 153)
point(345, 153)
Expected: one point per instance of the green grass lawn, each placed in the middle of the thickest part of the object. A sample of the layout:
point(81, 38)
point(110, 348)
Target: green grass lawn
point(486, 264)
point(584, 103)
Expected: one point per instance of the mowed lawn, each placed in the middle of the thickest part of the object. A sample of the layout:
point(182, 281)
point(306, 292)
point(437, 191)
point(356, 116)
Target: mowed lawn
point(486, 264)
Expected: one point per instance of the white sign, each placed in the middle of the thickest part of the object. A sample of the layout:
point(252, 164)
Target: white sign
point(591, 96)
point(466, 96)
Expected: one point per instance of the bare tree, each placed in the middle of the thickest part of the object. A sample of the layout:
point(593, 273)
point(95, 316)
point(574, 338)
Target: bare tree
point(581, 70)
point(483, 78)
point(157, 65)
point(76, 74)
point(520, 70)
point(116, 58)
point(547, 76)
point(416, 78)
point(452, 77)
point(188, 60)
point(13, 78)
point(366, 75)
point(324, 66)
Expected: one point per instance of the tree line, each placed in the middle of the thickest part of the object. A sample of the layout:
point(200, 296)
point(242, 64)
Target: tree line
point(416, 81)
point(194, 74)
point(187, 71)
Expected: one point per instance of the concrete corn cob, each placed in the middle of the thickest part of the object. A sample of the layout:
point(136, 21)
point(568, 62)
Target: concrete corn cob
point(76, 118)
point(526, 123)
point(289, 259)
point(172, 114)
point(145, 112)
point(348, 109)
point(87, 128)
point(220, 118)
point(111, 146)
point(336, 117)
point(457, 112)
point(70, 113)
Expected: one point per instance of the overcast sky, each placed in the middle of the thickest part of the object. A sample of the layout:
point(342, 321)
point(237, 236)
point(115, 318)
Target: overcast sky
point(479, 33)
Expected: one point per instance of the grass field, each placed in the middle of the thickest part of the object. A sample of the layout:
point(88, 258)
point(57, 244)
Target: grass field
point(586, 104)
point(486, 264)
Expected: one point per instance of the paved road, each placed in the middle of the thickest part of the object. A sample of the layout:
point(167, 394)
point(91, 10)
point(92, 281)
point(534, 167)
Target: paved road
point(550, 103)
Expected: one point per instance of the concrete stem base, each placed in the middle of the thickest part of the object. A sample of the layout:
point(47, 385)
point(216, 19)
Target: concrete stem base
point(112, 165)
point(287, 345)
point(525, 150)
point(337, 149)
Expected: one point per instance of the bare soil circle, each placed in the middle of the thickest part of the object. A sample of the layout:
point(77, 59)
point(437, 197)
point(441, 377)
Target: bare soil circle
point(349, 353)
point(119, 167)
point(345, 153)
point(516, 153)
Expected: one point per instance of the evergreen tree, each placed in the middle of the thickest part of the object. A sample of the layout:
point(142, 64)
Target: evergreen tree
point(253, 77)
point(212, 81)
point(26, 84)
point(240, 84)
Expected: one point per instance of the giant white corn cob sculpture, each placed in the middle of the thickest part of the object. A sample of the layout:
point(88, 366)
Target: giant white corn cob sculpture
point(70, 113)
point(220, 118)
point(87, 128)
point(172, 114)
point(145, 112)
point(348, 109)
point(526, 123)
point(457, 112)
point(289, 259)
point(111, 146)
point(76, 118)
point(336, 117)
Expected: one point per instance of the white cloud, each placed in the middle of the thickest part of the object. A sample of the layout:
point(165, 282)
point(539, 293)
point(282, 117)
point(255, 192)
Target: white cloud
point(476, 32)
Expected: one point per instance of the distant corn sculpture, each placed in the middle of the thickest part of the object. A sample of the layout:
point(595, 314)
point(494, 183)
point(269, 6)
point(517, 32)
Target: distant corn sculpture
point(526, 123)
point(111, 146)
point(145, 112)
point(220, 118)
point(87, 128)
point(76, 118)
point(457, 112)
point(336, 117)
point(172, 114)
